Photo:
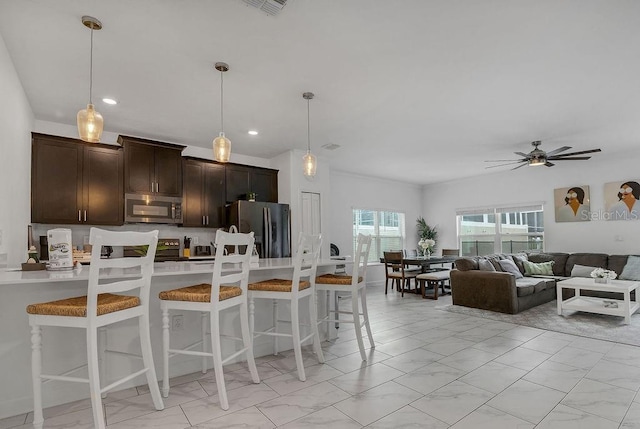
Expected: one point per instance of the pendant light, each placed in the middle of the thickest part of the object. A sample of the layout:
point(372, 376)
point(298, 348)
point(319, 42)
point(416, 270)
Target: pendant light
point(90, 122)
point(221, 144)
point(309, 160)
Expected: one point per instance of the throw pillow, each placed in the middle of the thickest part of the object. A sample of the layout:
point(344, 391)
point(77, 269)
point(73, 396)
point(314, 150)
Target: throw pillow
point(508, 266)
point(542, 268)
point(581, 270)
point(485, 265)
point(631, 270)
point(520, 259)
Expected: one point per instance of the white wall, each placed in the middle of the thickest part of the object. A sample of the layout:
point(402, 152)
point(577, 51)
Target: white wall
point(536, 184)
point(16, 121)
point(350, 191)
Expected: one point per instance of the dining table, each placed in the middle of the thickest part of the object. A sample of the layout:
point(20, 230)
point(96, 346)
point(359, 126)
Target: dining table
point(425, 262)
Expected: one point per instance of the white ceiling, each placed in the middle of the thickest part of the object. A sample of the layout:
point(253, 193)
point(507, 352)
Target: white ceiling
point(414, 90)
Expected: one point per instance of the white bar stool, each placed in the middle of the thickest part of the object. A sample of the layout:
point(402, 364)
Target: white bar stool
point(305, 264)
point(356, 284)
point(102, 306)
point(225, 291)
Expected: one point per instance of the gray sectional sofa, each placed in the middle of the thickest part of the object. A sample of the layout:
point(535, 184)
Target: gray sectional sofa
point(501, 291)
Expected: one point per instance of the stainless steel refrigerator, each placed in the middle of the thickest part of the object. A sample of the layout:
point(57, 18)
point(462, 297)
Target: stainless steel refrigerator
point(270, 223)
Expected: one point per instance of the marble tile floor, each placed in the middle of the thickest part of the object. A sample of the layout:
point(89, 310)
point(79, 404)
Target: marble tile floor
point(430, 369)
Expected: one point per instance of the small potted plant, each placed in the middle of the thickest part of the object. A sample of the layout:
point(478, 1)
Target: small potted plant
point(600, 275)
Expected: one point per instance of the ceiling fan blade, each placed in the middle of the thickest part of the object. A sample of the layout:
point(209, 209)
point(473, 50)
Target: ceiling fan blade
point(549, 164)
point(514, 168)
point(504, 160)
point(581, 152)
point(502, 165)
point(556, 151)
point(577, 158)
point(524, 155)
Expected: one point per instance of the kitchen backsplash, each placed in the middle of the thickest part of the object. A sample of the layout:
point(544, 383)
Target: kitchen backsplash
point(80, 233)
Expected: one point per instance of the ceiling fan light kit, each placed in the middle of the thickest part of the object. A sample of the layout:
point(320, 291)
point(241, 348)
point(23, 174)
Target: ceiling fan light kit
point(539, 157)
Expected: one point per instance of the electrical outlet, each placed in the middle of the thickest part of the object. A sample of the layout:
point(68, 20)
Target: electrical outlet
point(177, 322)
point(195, 241)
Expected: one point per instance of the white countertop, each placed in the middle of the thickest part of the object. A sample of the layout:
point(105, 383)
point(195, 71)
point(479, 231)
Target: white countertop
point(16, 276)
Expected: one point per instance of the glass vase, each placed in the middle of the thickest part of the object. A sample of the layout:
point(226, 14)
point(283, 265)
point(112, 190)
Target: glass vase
point(602, 280)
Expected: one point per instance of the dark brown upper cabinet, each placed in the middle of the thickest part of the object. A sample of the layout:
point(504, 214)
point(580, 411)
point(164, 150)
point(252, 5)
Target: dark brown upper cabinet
point(152, 167)
point(243, 179)
point(73, 182)
point(203, 196)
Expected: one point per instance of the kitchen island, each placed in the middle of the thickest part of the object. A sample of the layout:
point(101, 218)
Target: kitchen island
point(64, 349)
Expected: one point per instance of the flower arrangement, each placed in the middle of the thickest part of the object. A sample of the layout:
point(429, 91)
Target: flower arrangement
point(601, 273)
point(427, 244)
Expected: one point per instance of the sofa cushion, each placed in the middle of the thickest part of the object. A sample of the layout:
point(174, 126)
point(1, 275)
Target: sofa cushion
point(559, 259)
point(617, 263)
point(588, 259)
point(529, 286)
point(542, 268)
point(519, 259)
point(485, 265)
point(510, 267)
point(466, 264)
point(631, 270)
point(581, 270)
point(495, 260)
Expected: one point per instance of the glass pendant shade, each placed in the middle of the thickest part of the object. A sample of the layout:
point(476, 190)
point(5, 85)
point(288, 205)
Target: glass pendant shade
point(309, 164)
point(222, 148)
point(90, 124)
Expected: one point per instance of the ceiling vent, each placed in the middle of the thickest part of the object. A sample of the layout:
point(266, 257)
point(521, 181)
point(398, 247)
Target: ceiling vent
point(270, 7)
point(330, 146)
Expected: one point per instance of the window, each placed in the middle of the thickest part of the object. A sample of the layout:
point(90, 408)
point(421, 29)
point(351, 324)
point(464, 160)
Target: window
point(521, 228)
point(386, 230)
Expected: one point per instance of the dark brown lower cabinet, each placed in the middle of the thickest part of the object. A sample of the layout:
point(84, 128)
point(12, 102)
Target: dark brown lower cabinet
point(73, 182)
point(203, 194)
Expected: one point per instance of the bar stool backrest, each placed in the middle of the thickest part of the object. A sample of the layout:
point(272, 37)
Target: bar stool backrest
point(361, 260)
point(240, 278)
point(141, 267)
point(305, 261)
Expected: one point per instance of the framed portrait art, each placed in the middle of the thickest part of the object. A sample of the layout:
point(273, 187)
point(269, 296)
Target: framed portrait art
point(621, 200)
point(572, 204)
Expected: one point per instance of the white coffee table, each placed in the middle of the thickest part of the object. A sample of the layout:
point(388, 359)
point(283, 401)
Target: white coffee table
point(614, 307)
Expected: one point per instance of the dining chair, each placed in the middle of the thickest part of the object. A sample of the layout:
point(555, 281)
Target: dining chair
point(355, 284)
point(227, 290)
point(103, 305)
point(301, 285)
point(396, 272)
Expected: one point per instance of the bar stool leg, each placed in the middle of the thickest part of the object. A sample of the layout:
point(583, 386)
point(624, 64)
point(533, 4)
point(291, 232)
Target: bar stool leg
point(165, 352)
point(203, 331)
point(365, 313)
point(147, 358)
point(313, 321)
point(102, 361)
point(36, 370)
point(276, 316)
point(94, 377)
point(217, 360)
point(247, 342)
point(356, 322)
point(295, 331)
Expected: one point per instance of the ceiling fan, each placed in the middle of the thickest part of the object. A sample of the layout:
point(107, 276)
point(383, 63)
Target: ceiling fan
point(539, 157)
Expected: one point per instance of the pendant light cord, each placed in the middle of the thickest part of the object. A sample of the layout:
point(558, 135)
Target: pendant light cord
point(308, 127)
point(221, 101)
point(91, 69)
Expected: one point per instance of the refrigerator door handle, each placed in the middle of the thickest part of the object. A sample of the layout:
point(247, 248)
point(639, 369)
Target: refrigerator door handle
point(266, 238)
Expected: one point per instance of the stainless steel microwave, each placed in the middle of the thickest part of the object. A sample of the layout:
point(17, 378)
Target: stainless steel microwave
point(147, 208)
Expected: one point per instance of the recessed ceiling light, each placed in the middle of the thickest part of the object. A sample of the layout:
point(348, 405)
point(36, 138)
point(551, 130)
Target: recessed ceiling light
point(109, 101)
point(253, 132)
